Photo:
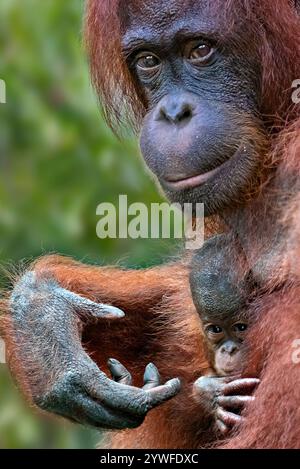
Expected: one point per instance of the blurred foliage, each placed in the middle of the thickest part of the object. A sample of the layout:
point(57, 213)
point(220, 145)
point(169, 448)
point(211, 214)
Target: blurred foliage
point(58, 161)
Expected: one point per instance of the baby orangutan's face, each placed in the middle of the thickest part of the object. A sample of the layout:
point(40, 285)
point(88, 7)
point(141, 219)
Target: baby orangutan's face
point(224, 339)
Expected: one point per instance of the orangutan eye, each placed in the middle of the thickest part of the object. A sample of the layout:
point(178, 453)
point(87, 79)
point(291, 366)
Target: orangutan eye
point(147, 61)
point(240, 327)
point(201, 53)
point(214, 329)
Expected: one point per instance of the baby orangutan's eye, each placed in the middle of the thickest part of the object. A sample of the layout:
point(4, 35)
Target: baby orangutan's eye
point(214, 329)
point(240, 327)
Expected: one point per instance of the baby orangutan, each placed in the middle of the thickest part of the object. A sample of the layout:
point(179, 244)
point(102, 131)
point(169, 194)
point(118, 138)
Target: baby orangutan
point(220, 287)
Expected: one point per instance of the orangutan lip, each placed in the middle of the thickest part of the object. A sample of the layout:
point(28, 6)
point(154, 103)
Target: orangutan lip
point(193, 181)
point(227, 371)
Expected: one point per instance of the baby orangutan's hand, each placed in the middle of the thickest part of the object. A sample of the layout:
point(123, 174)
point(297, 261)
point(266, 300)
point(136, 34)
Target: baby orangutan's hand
point(225, 399)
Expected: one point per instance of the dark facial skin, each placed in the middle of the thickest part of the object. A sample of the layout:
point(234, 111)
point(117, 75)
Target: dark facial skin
point(201, 96)
point(224, 340)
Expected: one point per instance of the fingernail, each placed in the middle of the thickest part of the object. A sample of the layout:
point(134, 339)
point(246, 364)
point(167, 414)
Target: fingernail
point(113, 361)
point(152, 366)
point(174, 382)
point(115, 312)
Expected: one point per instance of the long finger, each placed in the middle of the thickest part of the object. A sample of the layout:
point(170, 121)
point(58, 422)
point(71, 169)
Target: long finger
point(89, 309)
point(163, 393)
point(223, 429)
point(151, 377)
point(228, 418)
point(234, 402)
point(130, 399)
point(240, 386)
point(119, 373)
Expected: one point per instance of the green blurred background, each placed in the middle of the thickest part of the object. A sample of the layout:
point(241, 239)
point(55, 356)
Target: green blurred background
point(58, 161)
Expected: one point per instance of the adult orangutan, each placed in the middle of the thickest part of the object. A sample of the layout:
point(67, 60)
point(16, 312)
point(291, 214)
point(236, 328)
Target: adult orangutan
point(209, 83)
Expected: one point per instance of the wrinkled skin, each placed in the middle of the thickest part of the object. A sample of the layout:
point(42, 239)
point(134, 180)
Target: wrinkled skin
point(80, 391)
point(224, 399)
